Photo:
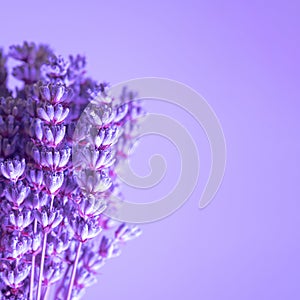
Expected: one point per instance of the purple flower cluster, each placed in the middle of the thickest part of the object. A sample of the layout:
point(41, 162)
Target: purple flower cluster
point(54, 236)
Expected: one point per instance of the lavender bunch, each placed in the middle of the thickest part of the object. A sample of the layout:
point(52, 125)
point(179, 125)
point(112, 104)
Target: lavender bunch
point(54, 237)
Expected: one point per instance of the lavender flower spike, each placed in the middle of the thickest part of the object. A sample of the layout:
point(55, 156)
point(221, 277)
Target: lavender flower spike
point(54, 235)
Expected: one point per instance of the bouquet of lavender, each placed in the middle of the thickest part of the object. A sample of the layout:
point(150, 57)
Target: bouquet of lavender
point(54, 236)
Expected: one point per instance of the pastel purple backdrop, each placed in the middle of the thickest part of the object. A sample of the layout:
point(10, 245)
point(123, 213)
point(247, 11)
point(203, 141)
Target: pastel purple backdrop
point(243, 57)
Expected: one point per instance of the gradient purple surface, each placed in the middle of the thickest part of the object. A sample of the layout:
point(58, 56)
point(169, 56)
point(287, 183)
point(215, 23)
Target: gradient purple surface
point(244, 59)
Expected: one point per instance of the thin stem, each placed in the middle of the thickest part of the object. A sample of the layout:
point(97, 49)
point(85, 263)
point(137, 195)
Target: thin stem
point(32, 278)
point(39, 288)
point(51, 203)
point(31, 288)
point(45, 293)
point(60, 287)
point(74, 271)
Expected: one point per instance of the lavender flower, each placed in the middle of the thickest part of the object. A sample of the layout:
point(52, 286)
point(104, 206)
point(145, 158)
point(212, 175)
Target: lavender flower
point(54, 235)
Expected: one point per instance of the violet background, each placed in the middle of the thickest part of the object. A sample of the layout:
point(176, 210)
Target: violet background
point(243, 57)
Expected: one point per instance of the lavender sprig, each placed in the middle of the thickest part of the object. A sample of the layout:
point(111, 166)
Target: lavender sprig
point(54, 236)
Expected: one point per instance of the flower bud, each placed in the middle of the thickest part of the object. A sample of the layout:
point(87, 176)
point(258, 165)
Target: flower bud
point(20, 219)
point(125, 233)
point(54, 93)
point(12, 169)
point(55, 160)
point(108, 248)
point(53, 181)
point(35, 178)
point(49, 219)
point(53, 134)
point(94, 159)
point(53, 271)
point(13, 276)
point(91, 206)
point(16, 193)
point(84, 229)
point(37, 200)
point(92, 182)
point(53, 114)
point(8, 145)
point(8, 126)
point(121, 112)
